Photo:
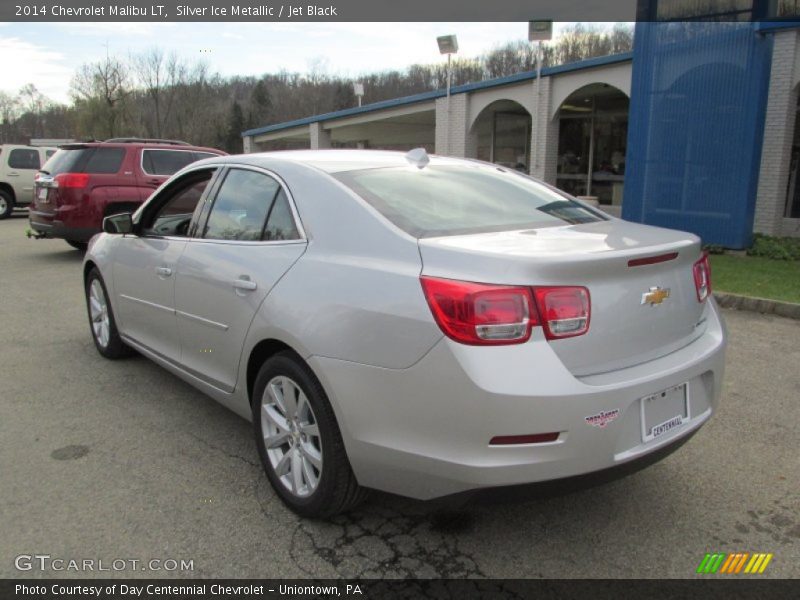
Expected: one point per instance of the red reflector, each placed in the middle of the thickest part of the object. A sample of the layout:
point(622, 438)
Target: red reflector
point(72, 180)
point(652, 260)
point(480, 314)
point(534, 438)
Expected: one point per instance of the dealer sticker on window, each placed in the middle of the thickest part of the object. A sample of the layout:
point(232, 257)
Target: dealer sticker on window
point(664, 411)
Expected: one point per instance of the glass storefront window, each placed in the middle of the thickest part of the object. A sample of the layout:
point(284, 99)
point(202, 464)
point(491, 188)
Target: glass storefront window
point(593, 132)
point(503, 135)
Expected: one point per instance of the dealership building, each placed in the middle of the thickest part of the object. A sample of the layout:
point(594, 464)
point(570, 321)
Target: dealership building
point(695, 129)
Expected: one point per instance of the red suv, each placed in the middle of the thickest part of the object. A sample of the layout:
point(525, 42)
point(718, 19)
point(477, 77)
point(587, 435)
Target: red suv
point(83, 183)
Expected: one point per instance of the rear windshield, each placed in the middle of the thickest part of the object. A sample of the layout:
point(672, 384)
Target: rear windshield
point(85, 160)
point(454, 200)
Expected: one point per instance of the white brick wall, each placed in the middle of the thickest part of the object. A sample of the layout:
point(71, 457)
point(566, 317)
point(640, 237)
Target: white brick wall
point(544, 144)
point(457, 131)
point(247, 141)
point(778, 133)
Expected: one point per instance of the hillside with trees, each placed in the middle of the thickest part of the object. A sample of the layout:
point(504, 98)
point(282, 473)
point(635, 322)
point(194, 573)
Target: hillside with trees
point(159, 94)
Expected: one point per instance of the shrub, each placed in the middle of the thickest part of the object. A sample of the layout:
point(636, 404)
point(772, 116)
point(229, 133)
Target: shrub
point(777, 248)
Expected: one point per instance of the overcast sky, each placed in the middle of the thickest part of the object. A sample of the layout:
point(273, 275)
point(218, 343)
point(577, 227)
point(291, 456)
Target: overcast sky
point(48, 54)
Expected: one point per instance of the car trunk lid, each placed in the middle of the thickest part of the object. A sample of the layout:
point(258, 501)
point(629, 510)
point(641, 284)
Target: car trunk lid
point(630, 323)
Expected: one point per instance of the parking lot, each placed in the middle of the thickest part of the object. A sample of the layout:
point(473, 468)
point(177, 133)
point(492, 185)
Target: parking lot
point(121, 460)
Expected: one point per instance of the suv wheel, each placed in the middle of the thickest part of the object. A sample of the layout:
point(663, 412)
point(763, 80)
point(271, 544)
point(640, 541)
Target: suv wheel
point(101, 319)
point(78, 245)
point(6, 204)
point(299, 441)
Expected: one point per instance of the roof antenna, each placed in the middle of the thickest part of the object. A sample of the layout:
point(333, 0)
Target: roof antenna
point(418, 157)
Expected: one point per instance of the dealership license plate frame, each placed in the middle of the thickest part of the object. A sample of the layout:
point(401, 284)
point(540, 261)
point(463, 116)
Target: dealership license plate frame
point(672, 413)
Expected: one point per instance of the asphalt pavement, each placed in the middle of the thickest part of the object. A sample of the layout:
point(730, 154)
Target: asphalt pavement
point(103, 460)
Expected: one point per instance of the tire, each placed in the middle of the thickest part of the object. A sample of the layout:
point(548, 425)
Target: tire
point(319, 481)
point(102, 324)
point(6, 204)
point(78, 245)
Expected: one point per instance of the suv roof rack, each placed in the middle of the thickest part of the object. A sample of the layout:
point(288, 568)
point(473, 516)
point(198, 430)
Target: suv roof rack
point(132, 140)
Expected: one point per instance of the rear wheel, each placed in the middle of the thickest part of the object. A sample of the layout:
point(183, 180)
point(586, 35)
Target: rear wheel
point(101, 319)
point(6, 204)
point(78, 245)
point(299, 441)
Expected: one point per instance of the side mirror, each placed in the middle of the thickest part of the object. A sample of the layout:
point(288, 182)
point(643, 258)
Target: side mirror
point(121, 223)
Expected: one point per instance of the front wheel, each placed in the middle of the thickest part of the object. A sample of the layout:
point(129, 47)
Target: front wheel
point(6, 204)
point(101, 319)
point(299, 441)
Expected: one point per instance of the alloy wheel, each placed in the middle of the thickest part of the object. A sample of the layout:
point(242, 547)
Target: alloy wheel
point(291, 436)
point(98, 310)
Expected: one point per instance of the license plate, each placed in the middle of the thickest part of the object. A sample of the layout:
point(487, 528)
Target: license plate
point(664, 411)
point(42, 194)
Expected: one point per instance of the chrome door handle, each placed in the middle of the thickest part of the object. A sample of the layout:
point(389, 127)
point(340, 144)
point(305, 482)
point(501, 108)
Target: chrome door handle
point(163, 271)
point(245, 284)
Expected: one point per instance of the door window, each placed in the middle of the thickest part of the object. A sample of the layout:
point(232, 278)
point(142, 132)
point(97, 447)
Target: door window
point(280, 224)
point(241, 207)
point(168, 162)
point(22, 158)
point(176, 211)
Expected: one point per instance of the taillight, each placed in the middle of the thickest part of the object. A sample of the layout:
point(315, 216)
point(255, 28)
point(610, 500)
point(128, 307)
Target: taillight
point(483, 314)
point(564, 310)
point(72, 180)
point(702, 278)
point(479, 314)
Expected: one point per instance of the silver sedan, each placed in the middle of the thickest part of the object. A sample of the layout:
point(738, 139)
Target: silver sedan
point(420, 325)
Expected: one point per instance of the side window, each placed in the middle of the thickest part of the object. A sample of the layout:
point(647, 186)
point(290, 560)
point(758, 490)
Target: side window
point(175, 215)
point(241, 206)
point(22, 158)
point(48, 154)
point(105, 161)
point(281, 225)
point(166, 162)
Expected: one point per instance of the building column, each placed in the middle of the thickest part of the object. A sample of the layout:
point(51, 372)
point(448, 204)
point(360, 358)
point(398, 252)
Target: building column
point(320, 138)
point(247, 143)
point(455, 129)
point(779, 125)
point(544, 134)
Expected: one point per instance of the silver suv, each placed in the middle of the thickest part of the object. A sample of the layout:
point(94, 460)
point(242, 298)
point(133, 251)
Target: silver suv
point(18, 167)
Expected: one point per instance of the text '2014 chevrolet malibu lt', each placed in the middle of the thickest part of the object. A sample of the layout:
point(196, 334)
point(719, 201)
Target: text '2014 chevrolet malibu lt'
point(420, 325)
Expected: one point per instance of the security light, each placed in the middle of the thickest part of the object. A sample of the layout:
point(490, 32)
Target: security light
point(448, 44)
point(540, 31)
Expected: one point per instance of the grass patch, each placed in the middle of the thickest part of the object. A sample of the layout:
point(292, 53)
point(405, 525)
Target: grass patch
point(756, 276)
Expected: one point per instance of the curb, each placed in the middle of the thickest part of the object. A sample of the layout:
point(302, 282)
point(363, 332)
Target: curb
point(759, 305)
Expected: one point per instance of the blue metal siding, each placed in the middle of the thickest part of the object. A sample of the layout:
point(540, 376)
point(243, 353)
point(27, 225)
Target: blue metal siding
point(696, 127)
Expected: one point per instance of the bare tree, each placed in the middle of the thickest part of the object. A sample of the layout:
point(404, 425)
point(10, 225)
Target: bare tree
point(104, 87)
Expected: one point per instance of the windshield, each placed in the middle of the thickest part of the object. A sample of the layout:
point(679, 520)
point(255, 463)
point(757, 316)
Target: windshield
point(453, 200)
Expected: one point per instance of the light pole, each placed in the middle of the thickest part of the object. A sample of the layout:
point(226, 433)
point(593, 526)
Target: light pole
point(448, 44)
point(538, 31)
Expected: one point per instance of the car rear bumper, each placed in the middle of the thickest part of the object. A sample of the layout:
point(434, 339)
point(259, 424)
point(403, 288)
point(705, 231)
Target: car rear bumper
point(50, 226)
point(424, 431)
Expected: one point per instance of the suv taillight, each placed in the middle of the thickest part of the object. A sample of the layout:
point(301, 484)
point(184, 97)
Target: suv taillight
point(72, 180)
point(702, 278)
point(489, 315)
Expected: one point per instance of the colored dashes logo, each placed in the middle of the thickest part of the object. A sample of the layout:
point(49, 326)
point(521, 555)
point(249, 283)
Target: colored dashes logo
point(736, 563)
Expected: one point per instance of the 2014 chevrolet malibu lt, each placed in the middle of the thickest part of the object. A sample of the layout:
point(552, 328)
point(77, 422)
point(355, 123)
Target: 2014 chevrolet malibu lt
point(420, 325)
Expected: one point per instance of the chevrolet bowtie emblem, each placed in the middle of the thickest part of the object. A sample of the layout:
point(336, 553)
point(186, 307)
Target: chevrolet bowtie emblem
point(655, 296)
